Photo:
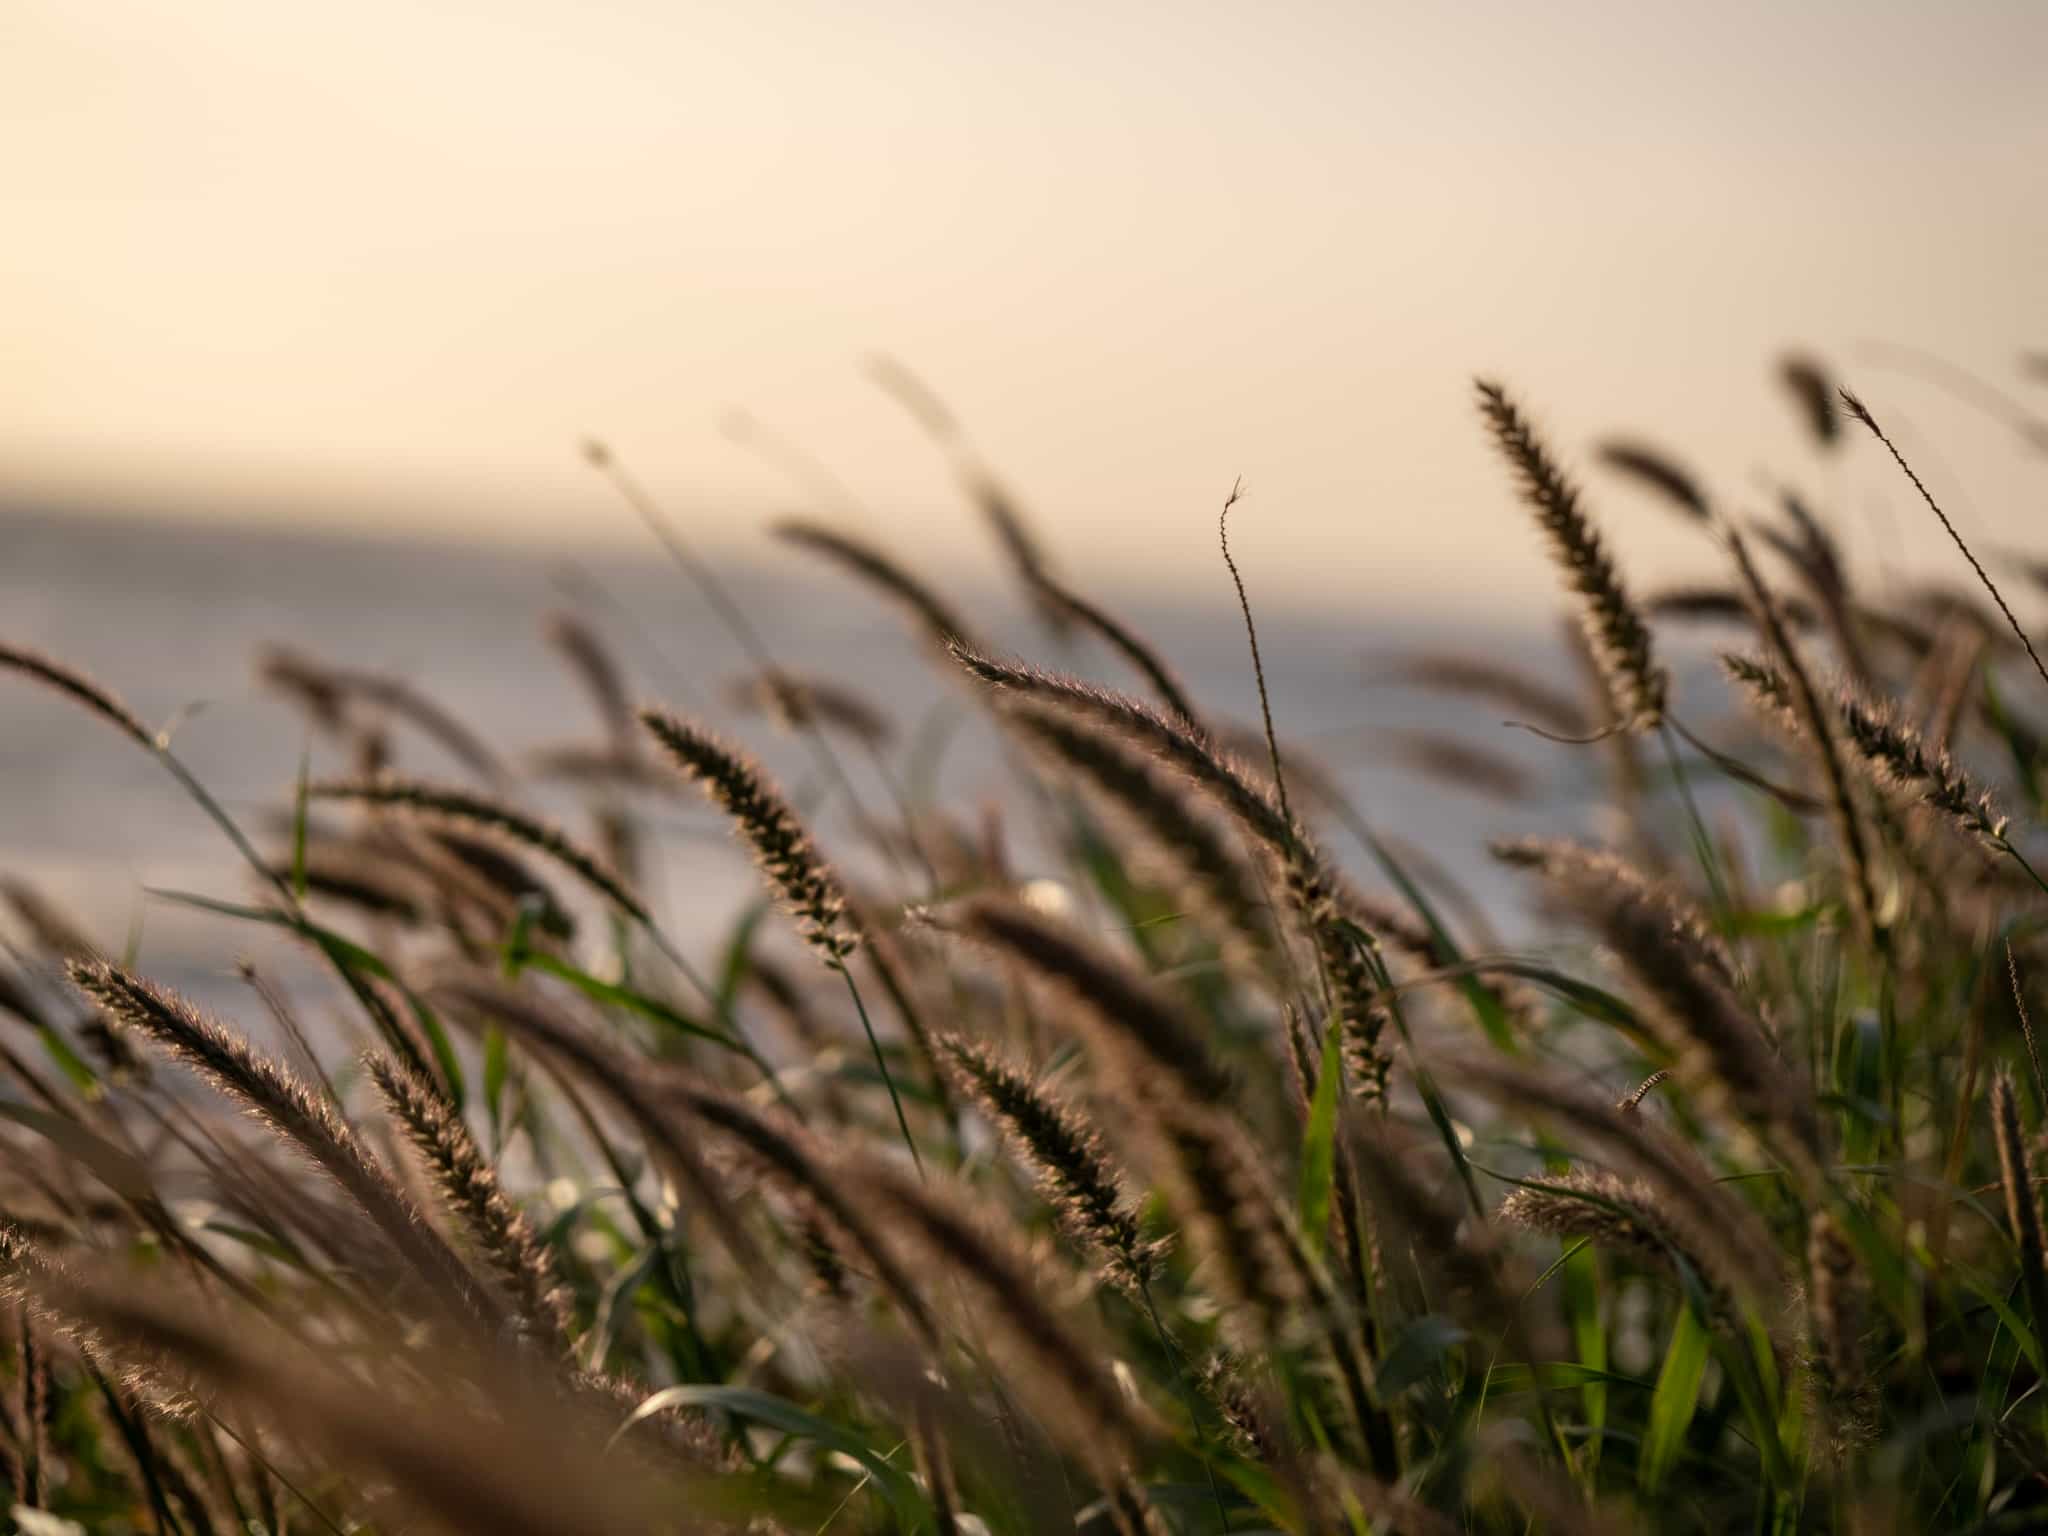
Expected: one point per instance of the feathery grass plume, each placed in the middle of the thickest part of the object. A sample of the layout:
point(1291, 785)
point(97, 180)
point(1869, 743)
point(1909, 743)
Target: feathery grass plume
point(293, 1111)
point(1079, 1401)
point(530, 1463)
point(804, 703)
point(469, 1186)
point(1817, 731)
point(1495, 682)
point(1122, 639)
point(327, 690)
point(1127, 1013)
point(28, 1277)
point(1636, 685)
point(1861, 412)
point(1769, 692)
point(68, 680)
point(1690, 981)
point(941, 624)
point(1897, 758)
point(1656, 470)
point(1189, 750)
point(1311, 883)
point(1065, 1153)
point(790, 861)
point(1681, 1180)
point(578, 644)
point(1630, 1215)
point(463, 808)
point(809, 888)
point(1204, 869)
point(2022, 1208)
point(1813, 392)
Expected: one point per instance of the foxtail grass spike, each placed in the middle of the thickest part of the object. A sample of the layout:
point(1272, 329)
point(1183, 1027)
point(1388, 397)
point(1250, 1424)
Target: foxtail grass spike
point(761, 815)
point(1636, 685)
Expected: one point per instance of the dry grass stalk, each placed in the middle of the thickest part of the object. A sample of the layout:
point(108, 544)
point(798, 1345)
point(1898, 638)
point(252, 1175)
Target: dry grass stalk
point(1861, 412)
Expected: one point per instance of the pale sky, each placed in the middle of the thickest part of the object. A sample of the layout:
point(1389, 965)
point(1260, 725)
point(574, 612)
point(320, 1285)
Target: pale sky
point(390, 261)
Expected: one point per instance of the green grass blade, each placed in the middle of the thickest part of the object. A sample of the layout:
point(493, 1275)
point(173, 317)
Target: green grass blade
point(1319, 1146)
point(779, 1413)
point(1674, 1401)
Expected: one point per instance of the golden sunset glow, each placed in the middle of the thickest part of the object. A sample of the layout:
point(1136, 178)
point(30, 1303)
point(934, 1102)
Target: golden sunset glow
point(387, 263)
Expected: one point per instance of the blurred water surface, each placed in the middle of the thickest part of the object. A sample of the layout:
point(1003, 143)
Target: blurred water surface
point(170, 616)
